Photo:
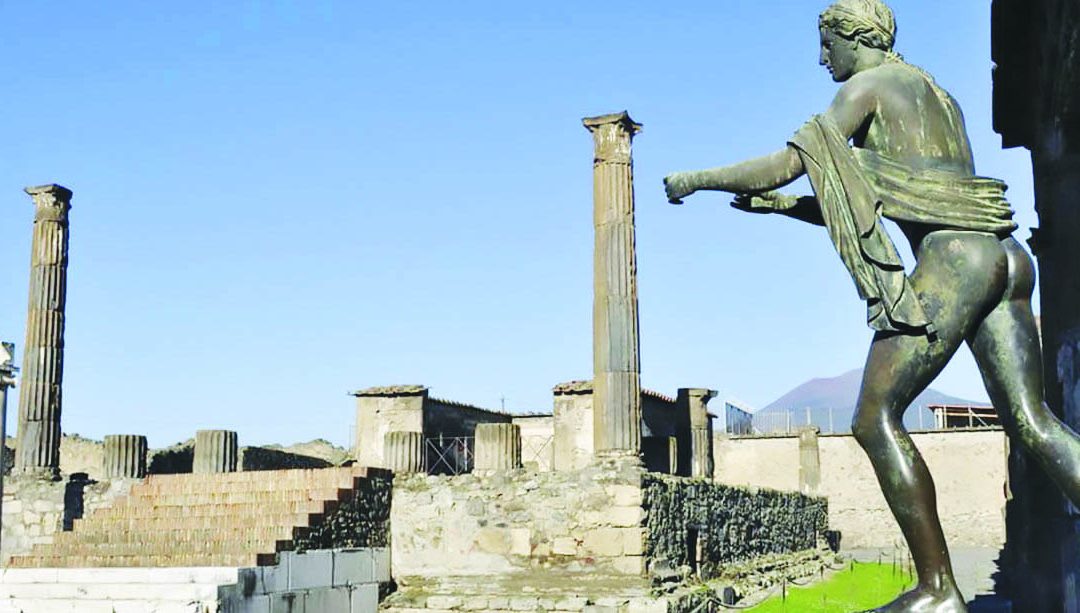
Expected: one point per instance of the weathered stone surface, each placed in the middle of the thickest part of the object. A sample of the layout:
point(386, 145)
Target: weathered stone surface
point(404, 452)
point(216, 451)
point(125, 456)
point(498, 447)
point(43, 358)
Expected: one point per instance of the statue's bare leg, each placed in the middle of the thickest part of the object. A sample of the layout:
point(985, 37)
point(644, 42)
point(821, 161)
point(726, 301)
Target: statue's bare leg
point(1006, 348)
point(960, 276)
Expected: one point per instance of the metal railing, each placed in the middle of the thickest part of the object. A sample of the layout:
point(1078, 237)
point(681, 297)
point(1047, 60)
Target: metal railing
point(829, 421)
point(449, 455)
point(537, 449)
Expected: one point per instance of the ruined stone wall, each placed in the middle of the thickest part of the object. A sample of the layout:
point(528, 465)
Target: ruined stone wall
point(705, 527)
point(573, 421)
point(265, 458)
point(589, 520)
point(34, 510)
point(969, 469)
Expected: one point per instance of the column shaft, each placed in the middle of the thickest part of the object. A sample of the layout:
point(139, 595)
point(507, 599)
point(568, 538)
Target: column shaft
point(38, 447)
point(498, 447)
point(403, 452)
point(216, 451)
point(125, 456)
point(616, 364)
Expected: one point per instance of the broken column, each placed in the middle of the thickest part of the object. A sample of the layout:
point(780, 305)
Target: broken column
point(216, 451)
point(403, 452)
point(616, 365)
point(809, 461)
point(125, 456)
point(696, 400)
point(498, 447)
point(38, 446)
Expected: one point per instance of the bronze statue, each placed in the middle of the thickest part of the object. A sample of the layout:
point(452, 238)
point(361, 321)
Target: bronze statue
point(909, 160)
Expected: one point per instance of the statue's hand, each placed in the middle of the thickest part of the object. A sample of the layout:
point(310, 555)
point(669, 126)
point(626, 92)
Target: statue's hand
point(677, 186)
point(764, 202)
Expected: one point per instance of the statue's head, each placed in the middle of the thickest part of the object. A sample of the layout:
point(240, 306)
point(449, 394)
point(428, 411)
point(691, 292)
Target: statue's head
point(853, 27)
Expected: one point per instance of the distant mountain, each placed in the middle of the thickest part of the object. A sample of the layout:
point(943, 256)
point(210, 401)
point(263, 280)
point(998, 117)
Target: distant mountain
point(831, 405)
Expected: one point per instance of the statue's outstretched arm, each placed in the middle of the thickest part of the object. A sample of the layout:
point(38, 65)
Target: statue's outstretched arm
point(852, 107)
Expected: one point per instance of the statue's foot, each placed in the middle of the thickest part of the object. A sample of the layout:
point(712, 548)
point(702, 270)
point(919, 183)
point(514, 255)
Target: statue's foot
point(924, 600)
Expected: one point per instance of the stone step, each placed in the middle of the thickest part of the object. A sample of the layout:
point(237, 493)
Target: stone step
point(298, 474)
point(252, 510)
point(142, 561)
point(230, 497)
point(97, 523)
point(143, 490)
point(185, 547)
point(541, 590)
point(109, 534)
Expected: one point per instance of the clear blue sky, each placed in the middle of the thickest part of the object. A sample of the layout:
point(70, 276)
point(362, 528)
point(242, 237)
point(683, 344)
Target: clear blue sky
point(278, 202)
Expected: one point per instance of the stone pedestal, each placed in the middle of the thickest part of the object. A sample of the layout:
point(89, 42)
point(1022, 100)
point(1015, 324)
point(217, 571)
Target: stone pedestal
point(403, 452)
point(216, 451)
point(809, 461)
point(384, 409)
point(125, 456)
point(38, 446)
point(498, 447)
point(695, 402)
point(616, 365)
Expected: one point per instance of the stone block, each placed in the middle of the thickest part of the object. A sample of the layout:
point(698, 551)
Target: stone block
point(573, 603)
point(520, 542)
point(604, 542)
point(626, 516)
point(444, 602)
point(273, 578)
point(364, 599)
point(328, 599)
point(498, 602)
point(523, 603)
point(629, 565)
point(474, 603)
point(494, 540)
point(289, 602)
point(311, 569)
point(634, 541)
point(354, 567)
point(564, 546)
point(625, 495)
point(381, 559)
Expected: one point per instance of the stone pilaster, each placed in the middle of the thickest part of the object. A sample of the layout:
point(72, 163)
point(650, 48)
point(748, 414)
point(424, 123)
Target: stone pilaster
point(216, 451)
point(384, 409)
point(616, 364)
point(403, 452)
point(498, 447)
point(125, 456)
point(38, 446)
point(809, 461)
point(695, 401)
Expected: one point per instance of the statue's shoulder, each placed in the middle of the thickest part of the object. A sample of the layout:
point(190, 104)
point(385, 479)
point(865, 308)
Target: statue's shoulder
point(882, 79)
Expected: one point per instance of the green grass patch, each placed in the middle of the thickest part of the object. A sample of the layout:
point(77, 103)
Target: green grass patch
point(856, 588)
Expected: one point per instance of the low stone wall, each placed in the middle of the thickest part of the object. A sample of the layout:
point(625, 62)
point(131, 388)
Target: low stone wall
point(34, 510)
point(702, 528)
point(264, 458)
point(518, 521)
point(970, 470)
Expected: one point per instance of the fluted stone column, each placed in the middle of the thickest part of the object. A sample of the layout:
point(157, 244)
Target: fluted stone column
point(696, 400)
point(125, 456)
point(38, 446)
point(403, 452)
point(216, 451)
point(616, 366)
point(498, 447)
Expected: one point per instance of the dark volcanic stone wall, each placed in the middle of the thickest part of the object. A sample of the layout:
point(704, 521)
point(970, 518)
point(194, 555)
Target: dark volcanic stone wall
point(725, 525)
point(363, 521)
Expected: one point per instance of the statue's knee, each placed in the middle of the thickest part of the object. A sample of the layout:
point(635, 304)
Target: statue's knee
point(866, 430)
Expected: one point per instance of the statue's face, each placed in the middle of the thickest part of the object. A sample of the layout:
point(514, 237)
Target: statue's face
point(838, 55)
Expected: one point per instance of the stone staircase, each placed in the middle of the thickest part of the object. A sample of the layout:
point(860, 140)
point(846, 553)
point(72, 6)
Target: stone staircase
point(232, 520)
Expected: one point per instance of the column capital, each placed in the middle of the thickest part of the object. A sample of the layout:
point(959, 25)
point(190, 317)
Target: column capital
point(703, 393)
point(612, 134)
point(52, 201)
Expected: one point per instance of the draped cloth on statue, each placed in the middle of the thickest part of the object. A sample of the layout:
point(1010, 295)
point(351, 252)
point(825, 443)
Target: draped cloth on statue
point(855, 187)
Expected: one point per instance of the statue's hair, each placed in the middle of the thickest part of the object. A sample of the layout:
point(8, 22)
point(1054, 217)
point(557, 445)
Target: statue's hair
point(870, 22)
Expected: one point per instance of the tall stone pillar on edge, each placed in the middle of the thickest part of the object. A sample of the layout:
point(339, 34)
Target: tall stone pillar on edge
point(616, 363)
point(696, 401)
point(38, 446)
